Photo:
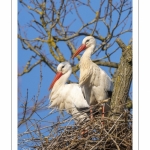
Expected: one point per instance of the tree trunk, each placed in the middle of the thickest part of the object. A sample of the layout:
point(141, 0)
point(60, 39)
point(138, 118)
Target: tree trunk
point(122, 79)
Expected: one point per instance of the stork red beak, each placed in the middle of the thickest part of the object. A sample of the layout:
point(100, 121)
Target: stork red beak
point(80, 49)
point(58, 75)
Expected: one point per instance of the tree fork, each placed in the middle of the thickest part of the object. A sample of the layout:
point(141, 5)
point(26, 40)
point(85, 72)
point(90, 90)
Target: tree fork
point(122, 79)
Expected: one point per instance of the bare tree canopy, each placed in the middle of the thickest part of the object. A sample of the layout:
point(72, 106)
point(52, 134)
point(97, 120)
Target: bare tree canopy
point(49, 32)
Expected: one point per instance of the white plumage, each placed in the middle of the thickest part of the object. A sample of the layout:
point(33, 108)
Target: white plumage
point(95, 82)
point(67, 96)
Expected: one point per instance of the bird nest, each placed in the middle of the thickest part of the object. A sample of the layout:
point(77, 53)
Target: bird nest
point(108, 133)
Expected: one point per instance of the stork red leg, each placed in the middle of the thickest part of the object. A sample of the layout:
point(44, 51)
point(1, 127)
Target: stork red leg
point(103, 111)
point(91, 113)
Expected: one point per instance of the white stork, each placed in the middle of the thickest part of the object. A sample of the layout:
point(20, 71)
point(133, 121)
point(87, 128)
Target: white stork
point(96, 84)
point(67, 96)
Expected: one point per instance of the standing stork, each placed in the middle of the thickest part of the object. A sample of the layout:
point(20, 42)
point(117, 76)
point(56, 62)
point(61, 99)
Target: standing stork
point(67, 96)
point(96, 84)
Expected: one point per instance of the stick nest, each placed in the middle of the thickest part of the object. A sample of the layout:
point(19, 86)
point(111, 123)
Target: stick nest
point(111, 133)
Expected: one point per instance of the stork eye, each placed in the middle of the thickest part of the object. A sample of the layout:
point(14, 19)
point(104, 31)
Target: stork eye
point(63, 66)
point(87, 41)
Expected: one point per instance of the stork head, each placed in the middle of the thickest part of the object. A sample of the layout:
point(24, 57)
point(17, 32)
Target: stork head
point(62, 68)
point(87, 42)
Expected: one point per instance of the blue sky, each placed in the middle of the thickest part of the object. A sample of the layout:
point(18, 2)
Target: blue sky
point(31, 81)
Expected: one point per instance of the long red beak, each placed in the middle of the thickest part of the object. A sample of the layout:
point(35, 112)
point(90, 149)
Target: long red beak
point(80, 49)
point(58, 75)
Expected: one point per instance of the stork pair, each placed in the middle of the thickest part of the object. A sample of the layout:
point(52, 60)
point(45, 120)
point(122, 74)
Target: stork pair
point(94, 84)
